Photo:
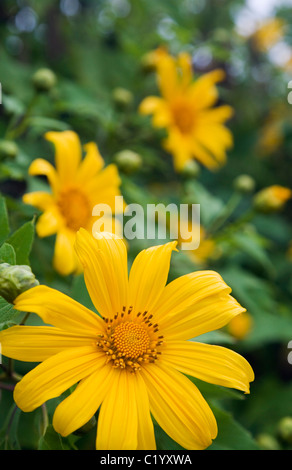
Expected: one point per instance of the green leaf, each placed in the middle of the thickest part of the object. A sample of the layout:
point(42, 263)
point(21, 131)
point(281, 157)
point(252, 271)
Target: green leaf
point(231, 435)
point(8, 434)
point(7, 254)
point(54, 441)
point(4, 223)
point(22, 241)
point(211, 206)
point(7, 314)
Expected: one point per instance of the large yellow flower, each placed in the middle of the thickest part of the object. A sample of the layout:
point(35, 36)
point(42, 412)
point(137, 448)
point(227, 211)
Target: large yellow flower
point(195, 128)
point(77, 186)
point(131, 360)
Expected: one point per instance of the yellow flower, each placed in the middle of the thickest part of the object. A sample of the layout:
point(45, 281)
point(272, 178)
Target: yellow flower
point(194, 127)
point(131, 360)
point(268, 34)
point(76, 187)
point(272, 198)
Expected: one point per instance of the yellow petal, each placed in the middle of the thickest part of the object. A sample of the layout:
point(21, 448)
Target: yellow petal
point(68, 153)
point(221, 140)
point(203, 91)
point(206, 315)
point(216, 115)
point(37, 343)
point(146, 437)
point(203, 155)
point(50, 222)
point(43, 167)
point(107, 179)
point(187, 290)
point(104, 261)
point(148, 276)
point(64, 260)
point(150, 104)
point(91, 165)
point(77, 409)
point(39, 199)
point(184, 62)
point(118, 418)
point(55, 375)
point(167, 76)
point(194, 304)
point(159, 108)
point(179, 408)
point(214, 364)
point(57, 309)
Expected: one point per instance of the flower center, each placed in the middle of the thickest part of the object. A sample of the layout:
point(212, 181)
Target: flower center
point(130, 340)
point(75, 208)
point(183, 117)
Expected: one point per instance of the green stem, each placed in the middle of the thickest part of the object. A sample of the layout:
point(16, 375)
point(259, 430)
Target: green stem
point(15, 130)
point(225, 214)
point(45, 419)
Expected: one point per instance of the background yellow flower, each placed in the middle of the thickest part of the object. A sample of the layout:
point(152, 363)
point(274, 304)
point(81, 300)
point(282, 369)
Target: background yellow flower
point(195, 128)
point(77, 185)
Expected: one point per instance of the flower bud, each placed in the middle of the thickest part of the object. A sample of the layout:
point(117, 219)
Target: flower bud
point(267, 442)
point(191, 169)
point(272, 198)
point(87, 427)
point(44, 79)
point(244, 184)
point(123, 98)
point(14, 280)
point(8, 149)
point(285, 429)
point(128, 161)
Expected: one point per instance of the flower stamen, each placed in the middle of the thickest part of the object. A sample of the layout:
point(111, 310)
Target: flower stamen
point(130, 341)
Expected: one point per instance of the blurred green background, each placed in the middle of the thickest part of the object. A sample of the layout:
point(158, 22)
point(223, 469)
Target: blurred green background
point(95, 48)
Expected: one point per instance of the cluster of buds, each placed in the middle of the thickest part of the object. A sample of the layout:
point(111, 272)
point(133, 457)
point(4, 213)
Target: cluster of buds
point(14, 280)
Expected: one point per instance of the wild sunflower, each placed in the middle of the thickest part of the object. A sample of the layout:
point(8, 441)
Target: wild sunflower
point(195, 128)
point(77, 185)
point(130, 361)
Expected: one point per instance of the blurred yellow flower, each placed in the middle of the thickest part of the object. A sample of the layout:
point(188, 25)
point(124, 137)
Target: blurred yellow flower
point(76, 187)
point(206, 248)
point(240, 326)
point(130, 361)
point(271, 138)
point(268, 34)
point(272, 198)
point(195, 128)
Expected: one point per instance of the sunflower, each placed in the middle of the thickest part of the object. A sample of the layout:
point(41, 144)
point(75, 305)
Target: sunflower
point(77, 185)
point(195, 128)
point(131, 359)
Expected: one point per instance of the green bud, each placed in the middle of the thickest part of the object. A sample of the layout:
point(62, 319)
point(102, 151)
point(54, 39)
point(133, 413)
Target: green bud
point(8, 149)
point(285, 429)
point(191, 169)
point(123, 98)
point(44, 79)
point(244, 184)
point(87, 426)
point(128, 161)
point(267, 442)
point(14, 280)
